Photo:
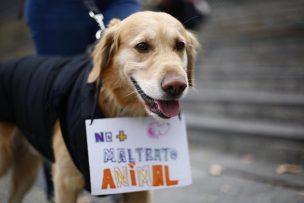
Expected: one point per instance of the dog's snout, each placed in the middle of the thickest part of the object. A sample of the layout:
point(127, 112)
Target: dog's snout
point(174, 85)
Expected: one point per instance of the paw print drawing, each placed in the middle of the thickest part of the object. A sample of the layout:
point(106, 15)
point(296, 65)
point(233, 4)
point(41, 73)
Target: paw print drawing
point(158, 129)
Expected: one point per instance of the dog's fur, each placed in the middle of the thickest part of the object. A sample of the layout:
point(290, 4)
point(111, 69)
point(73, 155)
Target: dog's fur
point(116, 59)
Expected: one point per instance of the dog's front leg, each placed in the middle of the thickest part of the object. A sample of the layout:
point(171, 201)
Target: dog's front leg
point(68, 181)
point(138, 197)
point(17, 154)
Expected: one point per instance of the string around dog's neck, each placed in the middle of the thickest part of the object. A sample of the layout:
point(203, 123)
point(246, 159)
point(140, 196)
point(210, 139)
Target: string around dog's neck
point(96, 99)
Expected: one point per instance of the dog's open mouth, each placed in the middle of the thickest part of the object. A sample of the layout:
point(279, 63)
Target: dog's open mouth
point(163, 108)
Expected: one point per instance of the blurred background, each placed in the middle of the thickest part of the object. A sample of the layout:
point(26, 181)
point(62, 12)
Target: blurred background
point(246, 114)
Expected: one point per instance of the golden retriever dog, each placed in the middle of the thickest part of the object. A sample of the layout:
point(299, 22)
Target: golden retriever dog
point(141, 66)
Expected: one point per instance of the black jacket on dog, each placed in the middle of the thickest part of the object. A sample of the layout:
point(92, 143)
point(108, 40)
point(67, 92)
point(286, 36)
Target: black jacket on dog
point(37, 91)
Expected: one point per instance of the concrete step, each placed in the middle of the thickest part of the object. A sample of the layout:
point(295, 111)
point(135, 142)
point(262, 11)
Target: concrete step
point(280, 109)
point(258, 55)
point(254, 45)
point(255, 18)
point(245, 127)
point(269, 65)
point(244, 112)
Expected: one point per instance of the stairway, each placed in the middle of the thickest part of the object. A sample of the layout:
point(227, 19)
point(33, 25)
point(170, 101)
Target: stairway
point(250, 74)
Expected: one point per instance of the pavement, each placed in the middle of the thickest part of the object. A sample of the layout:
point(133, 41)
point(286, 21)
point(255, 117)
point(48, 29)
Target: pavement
point(231, 171)
point(231, 166)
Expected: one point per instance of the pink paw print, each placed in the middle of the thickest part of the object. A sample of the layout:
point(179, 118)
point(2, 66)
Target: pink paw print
point(158, 129)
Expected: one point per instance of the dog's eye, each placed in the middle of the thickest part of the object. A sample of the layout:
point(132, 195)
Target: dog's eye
point(179, 46)
point(142, 47)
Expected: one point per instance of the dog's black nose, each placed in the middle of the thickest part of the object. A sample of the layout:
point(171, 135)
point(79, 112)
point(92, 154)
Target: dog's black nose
point(174, 85)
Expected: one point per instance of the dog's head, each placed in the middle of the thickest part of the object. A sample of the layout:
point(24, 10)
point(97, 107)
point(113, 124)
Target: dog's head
point(146, 63)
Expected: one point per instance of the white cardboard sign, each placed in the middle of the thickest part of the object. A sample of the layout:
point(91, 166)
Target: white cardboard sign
point(136, 154)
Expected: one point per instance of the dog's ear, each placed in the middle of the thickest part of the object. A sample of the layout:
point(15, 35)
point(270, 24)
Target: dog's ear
point(192, 45)
point(104, 50)
point(114, 22)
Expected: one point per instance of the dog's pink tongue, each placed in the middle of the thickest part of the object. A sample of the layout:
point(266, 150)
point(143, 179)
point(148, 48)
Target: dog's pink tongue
point(169, 108)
